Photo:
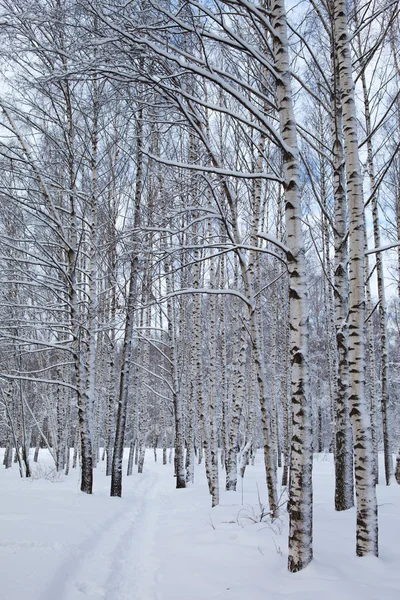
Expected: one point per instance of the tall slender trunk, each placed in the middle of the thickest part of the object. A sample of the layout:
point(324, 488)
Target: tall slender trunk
point(212, 391)
point(285, 392)
point(79, 367)
point(116, 475)
point(344, 486)
point(251, 280)
point(223, 377)
point(235, 411)
point(92, 311)
point(371, 371)
point(367, 510)
point(300, 486)
point(397, 197)
point(380, 281)
point(177, 398)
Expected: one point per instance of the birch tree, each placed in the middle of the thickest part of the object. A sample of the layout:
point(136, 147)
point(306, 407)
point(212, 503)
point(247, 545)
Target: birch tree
point(367, 511)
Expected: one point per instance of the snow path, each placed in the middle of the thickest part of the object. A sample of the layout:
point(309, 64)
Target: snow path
point(134, 571)
point(114, 562)
point(71, 546)
point(159, 543)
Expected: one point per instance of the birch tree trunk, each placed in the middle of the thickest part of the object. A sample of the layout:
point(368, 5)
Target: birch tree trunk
point(367, 511)
point(251, 280)
point(344, 487)
point(238, 384)
point(212, 389)
point(371, 371)
point(116, 474)
point(177, 398)
point(381, 284)
point(285, 392)
point(92, 310)
point(300, 504)
point(397, 196)
point(79, 367)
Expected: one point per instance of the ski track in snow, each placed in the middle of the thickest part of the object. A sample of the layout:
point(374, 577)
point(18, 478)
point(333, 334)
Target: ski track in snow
point(159, 543)
point(133, 572)
point(115, 562)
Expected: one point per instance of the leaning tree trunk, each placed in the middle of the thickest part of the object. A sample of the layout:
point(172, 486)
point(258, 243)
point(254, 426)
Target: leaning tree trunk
point(367, 511)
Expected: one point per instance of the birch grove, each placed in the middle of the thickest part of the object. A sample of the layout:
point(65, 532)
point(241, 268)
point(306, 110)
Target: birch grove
point(199, 252)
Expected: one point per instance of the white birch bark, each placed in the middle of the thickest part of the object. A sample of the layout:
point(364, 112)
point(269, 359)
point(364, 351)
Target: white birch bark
point(250, 276)
point(371, 370)
point(238, 385)
point(92, 297)
point(367, 511)
point(212, 388)
point(300, 504)
point(286, 392)
point(397, 200)
point(385, 400)
point(344, 488)
point(116, 474)
point(144, 355)
point(236, 396)
point(74, 303)
point(177, 398)
point(191, 409)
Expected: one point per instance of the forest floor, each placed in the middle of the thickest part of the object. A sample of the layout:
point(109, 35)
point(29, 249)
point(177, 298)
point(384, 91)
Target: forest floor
point(159, 543)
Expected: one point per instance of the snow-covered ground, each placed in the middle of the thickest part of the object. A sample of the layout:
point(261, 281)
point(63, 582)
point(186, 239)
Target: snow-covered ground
point(158, 543)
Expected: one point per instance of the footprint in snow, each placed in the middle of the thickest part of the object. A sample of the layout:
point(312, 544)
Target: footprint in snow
point(91, 589)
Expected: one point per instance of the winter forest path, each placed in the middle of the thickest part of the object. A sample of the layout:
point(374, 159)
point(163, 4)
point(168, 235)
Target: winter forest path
point(115, 561)
point(159, 543)
point(59, 544)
